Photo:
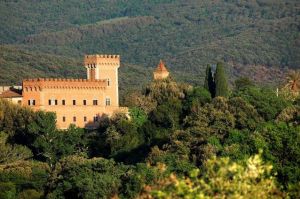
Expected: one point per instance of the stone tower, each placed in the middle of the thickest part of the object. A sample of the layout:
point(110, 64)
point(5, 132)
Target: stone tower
point(161, 71)
point(105, 67)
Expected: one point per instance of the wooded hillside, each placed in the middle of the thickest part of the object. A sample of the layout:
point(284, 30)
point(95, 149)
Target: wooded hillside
point(187, 34)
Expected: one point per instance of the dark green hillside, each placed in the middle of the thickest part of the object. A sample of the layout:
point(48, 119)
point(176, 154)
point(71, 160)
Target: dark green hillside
point(187, 34)
point(16, 64)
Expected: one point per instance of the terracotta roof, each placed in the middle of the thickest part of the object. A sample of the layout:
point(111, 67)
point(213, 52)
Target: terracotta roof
point(161, 67)
point(11, 93)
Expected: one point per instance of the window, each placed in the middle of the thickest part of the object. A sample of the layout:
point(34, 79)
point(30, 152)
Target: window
point(64, 119)
point(96, 119)
point(63, 102)
point(52, 102)
point(74, 102)
point(95, 102)
point(85, 119)
point(31, 102)
point(74, 119)
point(108, 82)
point(84, 102)
point(107, 101)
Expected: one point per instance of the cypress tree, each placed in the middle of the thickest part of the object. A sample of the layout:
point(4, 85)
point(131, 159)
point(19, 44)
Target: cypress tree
point(221, 81)
point(209, 83)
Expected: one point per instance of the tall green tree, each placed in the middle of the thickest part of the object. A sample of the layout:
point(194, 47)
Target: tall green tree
point(209, 83)
point(221, 82)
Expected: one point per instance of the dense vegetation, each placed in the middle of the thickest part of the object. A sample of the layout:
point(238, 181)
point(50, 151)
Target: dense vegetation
point(178, 141)
point(40, 38)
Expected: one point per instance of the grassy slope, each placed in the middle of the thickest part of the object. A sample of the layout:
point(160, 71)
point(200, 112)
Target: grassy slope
point(187, 34)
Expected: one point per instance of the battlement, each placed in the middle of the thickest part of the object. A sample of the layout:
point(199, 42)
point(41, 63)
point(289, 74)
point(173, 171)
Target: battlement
point(62, 83)
point(102, 56)
point(62, 80)
point(92, 61)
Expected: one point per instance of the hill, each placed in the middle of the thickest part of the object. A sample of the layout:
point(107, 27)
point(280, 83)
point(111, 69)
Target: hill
point(187, 34)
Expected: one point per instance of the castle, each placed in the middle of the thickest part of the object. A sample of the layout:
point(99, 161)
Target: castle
point(81, 102)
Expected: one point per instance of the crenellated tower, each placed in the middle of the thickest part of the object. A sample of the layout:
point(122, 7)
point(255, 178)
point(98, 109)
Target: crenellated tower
point(105, 67)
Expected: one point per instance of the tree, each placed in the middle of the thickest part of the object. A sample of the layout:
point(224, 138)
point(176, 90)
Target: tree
point(78, 177)
point(221, 82)
point(243, 83)
point(265, 101)
point(24, 175)
point(198, 96)
point(138, 116)
point(221, 178)
point(294, 81)
point(282, 149)
point(7, 190)
point(291, 89)
point(11, 153)
point(209, 83)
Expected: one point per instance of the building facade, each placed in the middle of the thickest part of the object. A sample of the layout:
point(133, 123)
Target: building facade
point(81, 102)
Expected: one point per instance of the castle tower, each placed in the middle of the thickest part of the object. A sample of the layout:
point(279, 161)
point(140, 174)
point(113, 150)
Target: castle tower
point(105, 67)
point(161, 71)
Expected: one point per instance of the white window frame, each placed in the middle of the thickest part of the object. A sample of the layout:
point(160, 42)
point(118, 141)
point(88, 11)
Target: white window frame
point(107, 101)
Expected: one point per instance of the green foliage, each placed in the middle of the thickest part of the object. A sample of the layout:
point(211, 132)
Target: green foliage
point(282, 149)
point(221, 82)
point(7, 190)
point(24, 175)
point(176, 162)
point(121, 138)
point(77, 177)
point(138, 116)
point(173, 128)
point(30, 194)
point(265, 101)
point(10, 153)
point(222, 115)
point(167, 115)
point(243, 83)
point(14, 118)
point(290, 115)
point(221, 178)
point(198, 96)
point(209, 83)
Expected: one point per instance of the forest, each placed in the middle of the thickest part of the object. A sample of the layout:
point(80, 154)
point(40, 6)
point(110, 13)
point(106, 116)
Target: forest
point(180, 141)
point(257, 38)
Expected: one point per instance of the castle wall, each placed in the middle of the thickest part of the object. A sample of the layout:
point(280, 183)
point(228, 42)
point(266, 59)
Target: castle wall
point(78, 101)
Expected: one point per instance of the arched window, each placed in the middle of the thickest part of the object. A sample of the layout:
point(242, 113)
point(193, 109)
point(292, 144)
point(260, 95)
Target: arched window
point(108, 82)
